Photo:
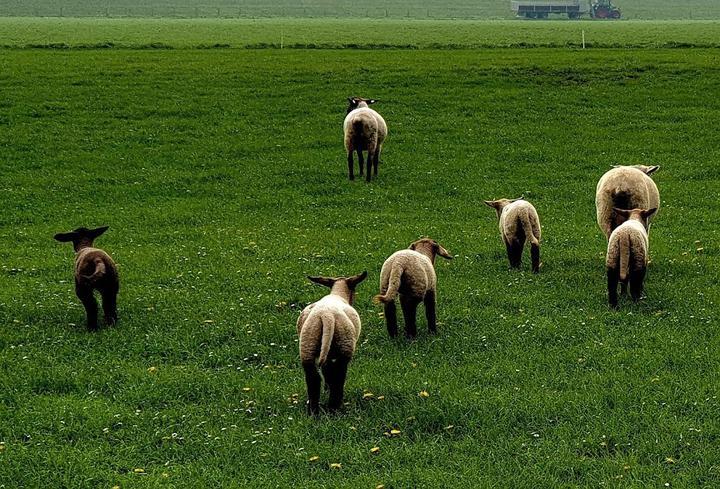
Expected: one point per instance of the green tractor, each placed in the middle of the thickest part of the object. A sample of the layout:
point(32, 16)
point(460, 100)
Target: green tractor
point(604, 9)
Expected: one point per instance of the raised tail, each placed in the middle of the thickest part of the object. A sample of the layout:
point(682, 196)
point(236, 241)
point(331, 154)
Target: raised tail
point(624, 256)
point(99, 272)
point(328, 331)
point(393, 285)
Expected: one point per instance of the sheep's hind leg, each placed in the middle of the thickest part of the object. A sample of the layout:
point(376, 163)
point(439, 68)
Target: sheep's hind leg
point(109, 304)
point(376, 160)
point(612, 281)
point(391, 318)
point(409, 307)
point(514, 251)
point(430, 311)
point(636, 283)
point(360, 160)
point(368, 175)
point(312, 379)
point(335, 376)
point(535, 256)
point(91, 308)
point(351, 165)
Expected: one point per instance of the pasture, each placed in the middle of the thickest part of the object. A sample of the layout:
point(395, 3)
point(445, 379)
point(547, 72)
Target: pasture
point(222, 177)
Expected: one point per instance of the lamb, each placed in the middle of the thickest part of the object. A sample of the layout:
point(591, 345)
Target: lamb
point(366, 130)
point(94, 270)
point(519, 222)
point(627, 255)
point(624, 187)
point(328, 331)
point(410, 273)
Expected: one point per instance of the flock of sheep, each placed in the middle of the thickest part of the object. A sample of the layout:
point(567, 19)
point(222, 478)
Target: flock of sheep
point(626, 200)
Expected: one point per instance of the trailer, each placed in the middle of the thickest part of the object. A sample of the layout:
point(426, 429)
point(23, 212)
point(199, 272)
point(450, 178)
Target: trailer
point(574, 9)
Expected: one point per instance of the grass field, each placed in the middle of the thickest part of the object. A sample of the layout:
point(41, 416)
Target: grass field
point(458, 9)
point(342, 33)
point(222, 176)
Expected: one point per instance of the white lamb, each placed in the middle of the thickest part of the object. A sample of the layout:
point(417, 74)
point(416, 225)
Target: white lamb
point(365, 130)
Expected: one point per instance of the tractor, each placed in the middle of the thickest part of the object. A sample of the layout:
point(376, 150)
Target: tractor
point(604, 9)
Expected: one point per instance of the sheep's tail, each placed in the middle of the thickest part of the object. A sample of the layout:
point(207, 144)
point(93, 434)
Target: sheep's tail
point(99, 272)
point(624, 256)
point(358, 132)
point(393, 285)
point(528, 228)
point(328, 331)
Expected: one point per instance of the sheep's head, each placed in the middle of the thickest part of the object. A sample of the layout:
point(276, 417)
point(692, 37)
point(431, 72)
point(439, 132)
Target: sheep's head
point(500, 204)
point(358, 102)
point(81, 237)
point(647, 170)
point(642, 215)
point(430, 248)
point(342, 286)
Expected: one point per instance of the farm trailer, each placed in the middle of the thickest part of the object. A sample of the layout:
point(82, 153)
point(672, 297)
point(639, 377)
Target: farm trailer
point(574, 9)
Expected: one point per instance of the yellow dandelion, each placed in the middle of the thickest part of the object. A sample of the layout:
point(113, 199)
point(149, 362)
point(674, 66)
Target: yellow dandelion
point(424, 394)
point(395, 432)
point(247, 389)
point(314, 458)
point(152, 370)
point(139, 471)
point(375, 450)
point(380, 486)
point(115, 487)
point(368, 395)
point(336, 466)
point(380, 398)
point(669, 460)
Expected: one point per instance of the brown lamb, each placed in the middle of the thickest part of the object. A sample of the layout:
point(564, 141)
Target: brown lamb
point(328, 331)
point(94, 270)
point(411, 274)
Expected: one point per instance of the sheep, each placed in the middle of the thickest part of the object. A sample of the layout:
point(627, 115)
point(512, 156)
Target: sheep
point(519, 222)
point(328, 330)
point(364, 129)
point(410, 273)
point(627, 255)
point(624, 187)
point(94, 270)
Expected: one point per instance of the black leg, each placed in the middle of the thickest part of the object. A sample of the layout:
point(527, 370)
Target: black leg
point(409, 308)
point(337, 383)
point(360, 160)
point(637, 277)
point(430, 311)
point(109, 304)
point(369, 166)
point(623, 288)
point(612, 281)
point(535, 255)
point(351, 166)
point(91, 309)
point(515, 249)
point(312, 379)
point(376, 161)
point(391, 318)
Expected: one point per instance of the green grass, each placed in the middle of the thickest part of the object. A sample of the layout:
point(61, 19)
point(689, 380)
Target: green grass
point(463, 9)
point(222, 177)
point(341, 33)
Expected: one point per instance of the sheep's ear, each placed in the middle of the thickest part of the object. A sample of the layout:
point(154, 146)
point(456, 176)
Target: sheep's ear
point(621, 215)
point(326, 281)
point(412, 246)
point(443, 252)
point(371, 101)
point(351, 100)
point(65, 237)
point(492, 203)
point(519, 198)
point(354, 281)
point(649, 212)
point(652, 169)
point(94, 233)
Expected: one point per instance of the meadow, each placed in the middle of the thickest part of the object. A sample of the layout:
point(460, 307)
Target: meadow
point(222, 176)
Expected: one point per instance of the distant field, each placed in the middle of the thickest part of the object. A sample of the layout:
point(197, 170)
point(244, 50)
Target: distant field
point(222, 176)
point(339, 33)
point(462, 9)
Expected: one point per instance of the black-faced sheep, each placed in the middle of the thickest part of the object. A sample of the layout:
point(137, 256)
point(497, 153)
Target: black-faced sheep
point(624, 187)
point(628, 253)
point(411, 274)
point(365, 130)
point(94, 270)
point(519, 222)
point(328, 330)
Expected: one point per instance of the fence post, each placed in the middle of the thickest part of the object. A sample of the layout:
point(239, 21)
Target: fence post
point(61, 12)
